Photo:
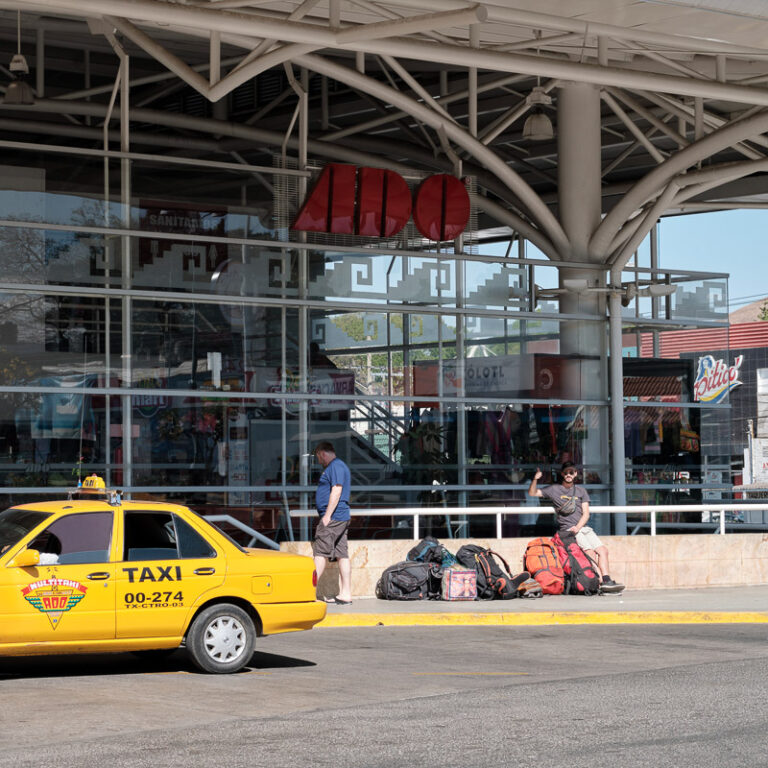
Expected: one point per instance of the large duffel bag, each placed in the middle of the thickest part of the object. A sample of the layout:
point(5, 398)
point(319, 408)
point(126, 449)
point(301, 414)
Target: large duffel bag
point(543, 563)
point(410, 581)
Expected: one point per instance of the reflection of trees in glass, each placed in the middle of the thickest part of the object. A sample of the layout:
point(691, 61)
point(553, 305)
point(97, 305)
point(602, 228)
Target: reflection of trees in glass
point(91, 213)
point(377, 370)
point(38, 256)
point(22, 254)
point(22, 324)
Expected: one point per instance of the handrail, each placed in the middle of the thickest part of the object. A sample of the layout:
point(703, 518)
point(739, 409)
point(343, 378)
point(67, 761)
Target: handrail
point(651, 509)
point(255, 535)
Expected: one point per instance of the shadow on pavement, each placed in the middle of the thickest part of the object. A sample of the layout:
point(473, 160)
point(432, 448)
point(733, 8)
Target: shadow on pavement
point(275, 661)
point(146, 662)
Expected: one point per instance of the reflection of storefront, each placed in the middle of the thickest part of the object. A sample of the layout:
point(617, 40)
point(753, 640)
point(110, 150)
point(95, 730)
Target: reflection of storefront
point(505, 442)
point(704, 444)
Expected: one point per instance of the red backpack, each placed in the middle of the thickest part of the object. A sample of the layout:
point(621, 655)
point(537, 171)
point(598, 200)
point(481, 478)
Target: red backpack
point(543, 563)
point(580, 570)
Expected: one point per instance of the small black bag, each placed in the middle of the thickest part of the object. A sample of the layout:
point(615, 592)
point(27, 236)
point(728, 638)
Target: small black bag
point(410, 581)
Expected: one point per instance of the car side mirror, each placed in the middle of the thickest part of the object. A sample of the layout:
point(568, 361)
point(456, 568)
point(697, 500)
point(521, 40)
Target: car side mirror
point(26, 559)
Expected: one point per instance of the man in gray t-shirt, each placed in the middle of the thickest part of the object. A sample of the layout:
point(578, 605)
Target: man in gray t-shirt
point(571, 504)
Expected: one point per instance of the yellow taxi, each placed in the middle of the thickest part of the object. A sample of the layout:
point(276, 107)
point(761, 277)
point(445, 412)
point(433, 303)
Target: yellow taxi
point(96, 574)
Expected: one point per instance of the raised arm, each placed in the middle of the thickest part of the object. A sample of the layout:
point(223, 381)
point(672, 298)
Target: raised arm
point(533, 489)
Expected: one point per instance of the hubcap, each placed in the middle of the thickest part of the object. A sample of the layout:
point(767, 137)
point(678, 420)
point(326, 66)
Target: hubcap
point(224, 639)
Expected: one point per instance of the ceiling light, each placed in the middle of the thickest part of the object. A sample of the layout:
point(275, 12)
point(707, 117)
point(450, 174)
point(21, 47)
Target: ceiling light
point(538, 127)
point(18, 90)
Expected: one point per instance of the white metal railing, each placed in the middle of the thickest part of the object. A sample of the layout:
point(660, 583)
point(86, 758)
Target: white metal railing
point(652, 510)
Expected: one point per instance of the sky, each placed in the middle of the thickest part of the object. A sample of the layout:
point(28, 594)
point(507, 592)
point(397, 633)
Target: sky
point(726, 242)
point(733, 242)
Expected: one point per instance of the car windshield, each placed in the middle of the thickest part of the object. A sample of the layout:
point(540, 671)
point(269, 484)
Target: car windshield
point(15, 524)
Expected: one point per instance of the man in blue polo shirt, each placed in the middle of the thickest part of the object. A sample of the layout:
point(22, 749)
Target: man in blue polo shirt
point(332, 502)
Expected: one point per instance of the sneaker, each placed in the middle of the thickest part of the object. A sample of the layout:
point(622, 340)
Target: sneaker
point(611, 587)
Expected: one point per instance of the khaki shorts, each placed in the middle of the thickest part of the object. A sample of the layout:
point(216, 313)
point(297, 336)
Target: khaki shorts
point(586, 538)
point(331, 540)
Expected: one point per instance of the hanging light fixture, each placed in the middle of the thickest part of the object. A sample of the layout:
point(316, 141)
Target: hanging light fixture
point(18, 90)
point(538, 127)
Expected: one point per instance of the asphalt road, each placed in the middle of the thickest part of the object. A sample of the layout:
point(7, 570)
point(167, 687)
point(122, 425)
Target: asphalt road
point(691, 695)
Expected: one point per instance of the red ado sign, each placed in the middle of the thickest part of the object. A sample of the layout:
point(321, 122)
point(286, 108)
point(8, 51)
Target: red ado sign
point(376, 202)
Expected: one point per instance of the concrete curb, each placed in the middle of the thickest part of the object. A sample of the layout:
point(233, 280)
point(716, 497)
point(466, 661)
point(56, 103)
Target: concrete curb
point(337, 620)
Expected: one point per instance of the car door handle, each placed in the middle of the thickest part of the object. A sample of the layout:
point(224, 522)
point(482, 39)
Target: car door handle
point(204, 571)
point(98, 575)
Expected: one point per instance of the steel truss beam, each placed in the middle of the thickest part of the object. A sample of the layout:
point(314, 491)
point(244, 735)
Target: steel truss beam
point(254, 26)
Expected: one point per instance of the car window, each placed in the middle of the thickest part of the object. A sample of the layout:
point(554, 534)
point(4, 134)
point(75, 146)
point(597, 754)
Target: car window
point(84, 537)
point(15, 524)
point(190, 542)
point(208, 524)
point(162, 536)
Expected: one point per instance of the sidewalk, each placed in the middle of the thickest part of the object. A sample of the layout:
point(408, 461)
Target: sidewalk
point(718, 605)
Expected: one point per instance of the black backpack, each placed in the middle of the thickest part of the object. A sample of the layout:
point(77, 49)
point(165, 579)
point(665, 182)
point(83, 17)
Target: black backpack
point(493, 583)
point(428, 550)
point(410, 581)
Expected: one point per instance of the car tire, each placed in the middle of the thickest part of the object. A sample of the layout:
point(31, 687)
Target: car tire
point(221, 639)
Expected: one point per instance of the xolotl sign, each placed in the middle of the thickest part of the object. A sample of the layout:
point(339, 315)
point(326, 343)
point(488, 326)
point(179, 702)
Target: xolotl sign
point(715, 379)
point(377, 203)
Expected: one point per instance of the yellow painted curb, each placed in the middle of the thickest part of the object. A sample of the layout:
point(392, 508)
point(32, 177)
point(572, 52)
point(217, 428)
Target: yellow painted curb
point(334, 620)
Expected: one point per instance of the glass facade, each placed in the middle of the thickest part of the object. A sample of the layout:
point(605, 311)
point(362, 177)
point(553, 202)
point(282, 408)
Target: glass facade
point(678, 445)
point(163, 326)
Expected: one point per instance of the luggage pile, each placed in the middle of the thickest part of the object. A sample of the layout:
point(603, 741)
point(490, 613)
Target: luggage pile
point(551, 566)
point(431, 572)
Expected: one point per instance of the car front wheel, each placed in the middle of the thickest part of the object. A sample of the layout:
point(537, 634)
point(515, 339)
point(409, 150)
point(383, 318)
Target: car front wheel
point(221, 639)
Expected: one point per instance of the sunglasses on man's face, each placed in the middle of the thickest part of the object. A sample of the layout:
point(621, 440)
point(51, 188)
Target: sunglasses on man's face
point(570, 473)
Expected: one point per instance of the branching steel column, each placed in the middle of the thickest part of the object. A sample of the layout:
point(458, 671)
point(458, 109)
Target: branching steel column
point(578, 148)
point(649, 185)
point(579, 196)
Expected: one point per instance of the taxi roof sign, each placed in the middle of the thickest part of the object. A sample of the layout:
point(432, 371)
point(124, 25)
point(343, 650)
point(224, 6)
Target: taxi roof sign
point(94, 487)
point(93, 484)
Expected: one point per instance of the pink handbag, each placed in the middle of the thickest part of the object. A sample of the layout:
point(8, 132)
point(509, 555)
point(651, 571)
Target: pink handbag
point(459, 584)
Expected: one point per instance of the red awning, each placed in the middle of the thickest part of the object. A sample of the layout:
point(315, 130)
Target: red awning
point(652, 386)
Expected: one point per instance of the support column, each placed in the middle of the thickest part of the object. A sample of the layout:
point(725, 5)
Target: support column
point(579, 198)
point(580, 202)
point(617, 409)
point(578, 150)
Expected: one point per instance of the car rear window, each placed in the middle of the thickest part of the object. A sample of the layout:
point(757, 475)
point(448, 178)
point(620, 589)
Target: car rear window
point(218, 530)
point(15, 524)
